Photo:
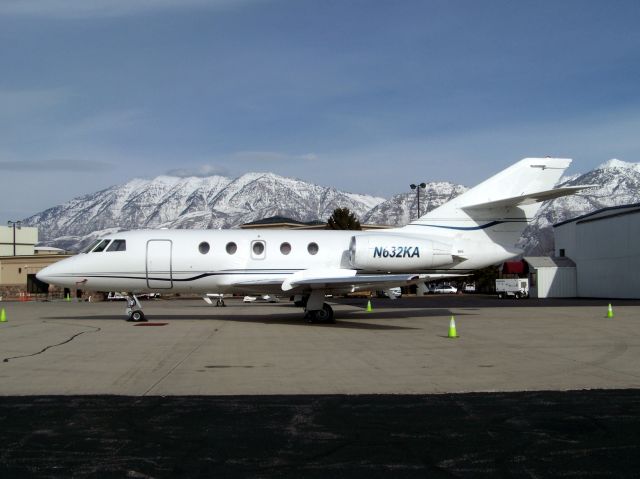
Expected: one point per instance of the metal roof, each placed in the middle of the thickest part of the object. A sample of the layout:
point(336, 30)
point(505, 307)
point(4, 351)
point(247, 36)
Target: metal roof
point(604, 213)
point(549, 262)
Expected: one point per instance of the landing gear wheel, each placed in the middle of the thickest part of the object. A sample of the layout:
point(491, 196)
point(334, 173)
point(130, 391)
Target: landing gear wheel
point(324, 315)
point(138, 316)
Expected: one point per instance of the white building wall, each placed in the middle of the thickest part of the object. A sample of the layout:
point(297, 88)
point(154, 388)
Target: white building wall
point(564, 284)
point(555, 283)
point(545, 277)
point(606, 250)
point(26, 239)
point(608, 257)
point(565, 239)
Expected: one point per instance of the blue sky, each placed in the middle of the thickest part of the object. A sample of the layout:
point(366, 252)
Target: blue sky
point(367, 96)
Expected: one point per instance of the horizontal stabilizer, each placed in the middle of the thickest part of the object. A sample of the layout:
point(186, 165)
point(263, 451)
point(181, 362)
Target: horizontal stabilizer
point(529, 198)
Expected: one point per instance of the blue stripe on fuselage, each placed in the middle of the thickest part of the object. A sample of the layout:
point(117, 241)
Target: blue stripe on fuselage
point(469, 228)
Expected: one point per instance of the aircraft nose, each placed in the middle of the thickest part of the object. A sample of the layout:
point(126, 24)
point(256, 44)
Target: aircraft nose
point(44, 274)
point(54, 273)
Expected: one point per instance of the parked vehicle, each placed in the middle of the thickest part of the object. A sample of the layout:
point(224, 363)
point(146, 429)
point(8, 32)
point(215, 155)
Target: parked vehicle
point(445, 289)
point(512, 288)
point(117, 296)
point(265, 298)
point(392, 293)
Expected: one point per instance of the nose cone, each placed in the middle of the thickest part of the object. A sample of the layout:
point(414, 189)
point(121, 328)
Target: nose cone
point(45, 274)
point(60, 273)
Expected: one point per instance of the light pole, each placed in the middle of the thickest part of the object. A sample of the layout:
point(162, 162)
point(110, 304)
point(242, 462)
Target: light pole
point(14, 224)
point(417, 188)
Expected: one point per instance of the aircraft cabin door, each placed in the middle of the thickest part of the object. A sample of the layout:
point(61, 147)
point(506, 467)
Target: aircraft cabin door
point(159, 264)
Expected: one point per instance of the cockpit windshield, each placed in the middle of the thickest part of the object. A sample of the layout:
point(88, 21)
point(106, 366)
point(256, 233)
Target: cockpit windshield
point(100, 248)
point(92, 245)
point(118, 245)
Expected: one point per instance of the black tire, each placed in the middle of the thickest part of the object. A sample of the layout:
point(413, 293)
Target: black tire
point(138, 316)
point(325, 315)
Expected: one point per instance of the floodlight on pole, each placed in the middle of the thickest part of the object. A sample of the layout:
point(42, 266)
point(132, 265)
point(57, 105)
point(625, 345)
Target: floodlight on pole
point(417, 188)
point(14, 225)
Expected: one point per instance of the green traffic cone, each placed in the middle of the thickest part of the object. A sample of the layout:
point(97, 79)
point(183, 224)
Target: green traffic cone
point(3, 316)
point(452, 328)
point(610, 311)
point(369, 308)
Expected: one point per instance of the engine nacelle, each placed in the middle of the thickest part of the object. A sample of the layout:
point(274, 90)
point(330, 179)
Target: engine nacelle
point(391, 252)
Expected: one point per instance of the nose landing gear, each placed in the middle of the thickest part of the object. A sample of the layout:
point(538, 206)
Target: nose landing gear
point(134, 309)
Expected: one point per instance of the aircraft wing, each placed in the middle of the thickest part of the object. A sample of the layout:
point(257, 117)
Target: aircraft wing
point(333, 279)
point(379, 281)
point(529, 198)
point(432, 276)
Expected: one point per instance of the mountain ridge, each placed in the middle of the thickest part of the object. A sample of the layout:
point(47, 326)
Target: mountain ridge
point(215, 202)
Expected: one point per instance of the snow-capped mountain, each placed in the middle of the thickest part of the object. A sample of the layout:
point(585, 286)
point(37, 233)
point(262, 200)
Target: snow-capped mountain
point(218, 202)
point(174, 202)
point(402, 208)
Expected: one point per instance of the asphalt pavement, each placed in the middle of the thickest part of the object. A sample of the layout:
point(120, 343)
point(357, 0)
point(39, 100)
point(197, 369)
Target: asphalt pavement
point(527, 434)
point(529, 389)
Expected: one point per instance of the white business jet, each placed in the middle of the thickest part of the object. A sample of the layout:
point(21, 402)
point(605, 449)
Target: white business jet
point(476, 229)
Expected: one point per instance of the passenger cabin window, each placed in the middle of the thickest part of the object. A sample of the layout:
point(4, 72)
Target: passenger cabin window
point(118, 245)
point(313, 248)
point(231, 248)
point(204, 247)
point(285, 248)
point(257, 249)
point(100, 248)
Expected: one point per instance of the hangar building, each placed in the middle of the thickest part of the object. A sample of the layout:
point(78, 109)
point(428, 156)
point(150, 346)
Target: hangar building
point(21, 259)
point(605, 247)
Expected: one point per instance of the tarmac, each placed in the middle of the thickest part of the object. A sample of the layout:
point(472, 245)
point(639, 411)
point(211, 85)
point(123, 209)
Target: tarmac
point(191, 348)
point(530, 388)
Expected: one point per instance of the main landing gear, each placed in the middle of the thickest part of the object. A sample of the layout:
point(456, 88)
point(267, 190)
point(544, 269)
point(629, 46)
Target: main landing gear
point(134, 309)
point(317, 311)
point(324, 315)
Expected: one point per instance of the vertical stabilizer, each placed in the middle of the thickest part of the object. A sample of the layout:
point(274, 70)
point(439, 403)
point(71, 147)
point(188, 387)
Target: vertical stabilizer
point(498, 208)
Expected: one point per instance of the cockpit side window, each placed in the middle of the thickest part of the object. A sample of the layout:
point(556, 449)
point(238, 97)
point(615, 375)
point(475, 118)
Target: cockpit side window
point(100, 248)
point(118, 245)
point(91, 246)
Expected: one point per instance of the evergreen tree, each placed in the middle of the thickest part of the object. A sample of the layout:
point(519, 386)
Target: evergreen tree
point(343, 219)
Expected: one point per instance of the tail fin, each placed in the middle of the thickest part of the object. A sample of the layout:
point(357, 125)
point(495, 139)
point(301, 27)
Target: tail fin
point(501, 206)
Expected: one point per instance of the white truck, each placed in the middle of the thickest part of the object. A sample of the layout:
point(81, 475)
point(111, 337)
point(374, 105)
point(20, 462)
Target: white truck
point(512, 288)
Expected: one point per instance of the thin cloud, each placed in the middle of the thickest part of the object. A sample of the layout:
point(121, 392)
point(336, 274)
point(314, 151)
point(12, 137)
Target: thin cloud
point(201, 171)
point(24, 102)
point(109, 8)
point(271, 156)
point(76, 166)
point(103, 123)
